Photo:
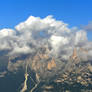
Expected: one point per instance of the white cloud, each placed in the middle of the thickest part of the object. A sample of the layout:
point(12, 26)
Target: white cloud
point(58, 42)
point(21, 50)
point(88, 27)
point(7, 32)
point(80, 37)
point(36, 32)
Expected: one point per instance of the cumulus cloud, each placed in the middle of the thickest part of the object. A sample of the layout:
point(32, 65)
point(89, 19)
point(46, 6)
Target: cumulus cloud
point(58, 42)
point(35, 32)
point(7, 32)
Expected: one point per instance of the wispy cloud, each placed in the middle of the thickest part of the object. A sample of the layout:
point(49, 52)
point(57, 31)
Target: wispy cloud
point(87, 27)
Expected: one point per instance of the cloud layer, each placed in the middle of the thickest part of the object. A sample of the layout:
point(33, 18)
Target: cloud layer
point(30, 35)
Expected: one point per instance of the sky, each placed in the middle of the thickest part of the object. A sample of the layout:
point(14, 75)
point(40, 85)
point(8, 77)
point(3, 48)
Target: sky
point(74, 12)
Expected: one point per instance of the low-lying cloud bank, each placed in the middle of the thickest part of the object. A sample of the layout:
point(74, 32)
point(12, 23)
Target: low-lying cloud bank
point(35, 32)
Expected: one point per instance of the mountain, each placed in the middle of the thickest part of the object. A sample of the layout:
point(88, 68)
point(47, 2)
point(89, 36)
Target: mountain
point(41, 72)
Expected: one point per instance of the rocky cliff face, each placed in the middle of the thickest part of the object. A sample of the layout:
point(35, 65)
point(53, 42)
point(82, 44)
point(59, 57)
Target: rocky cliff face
point(71, 72)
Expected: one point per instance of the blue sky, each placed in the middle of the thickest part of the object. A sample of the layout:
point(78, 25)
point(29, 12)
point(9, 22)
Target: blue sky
point(73, 12)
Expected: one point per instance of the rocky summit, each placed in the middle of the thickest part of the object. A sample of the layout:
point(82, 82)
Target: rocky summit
point(41, 72)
